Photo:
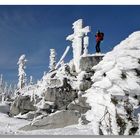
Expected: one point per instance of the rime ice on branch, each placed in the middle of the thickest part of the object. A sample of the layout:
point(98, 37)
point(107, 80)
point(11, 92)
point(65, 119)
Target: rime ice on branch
point(52, 64)
point(21, 72)
point(79, 41)
point(61, 61)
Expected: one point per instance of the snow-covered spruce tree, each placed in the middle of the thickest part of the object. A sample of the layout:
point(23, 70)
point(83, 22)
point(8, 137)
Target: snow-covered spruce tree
point(115, 93)
point(52, 59)
point(21, 72)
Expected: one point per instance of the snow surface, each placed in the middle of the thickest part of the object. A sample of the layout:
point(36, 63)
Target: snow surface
point(10, 126)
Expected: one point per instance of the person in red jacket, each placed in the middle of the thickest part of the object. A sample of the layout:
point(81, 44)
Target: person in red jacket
point(99, 37)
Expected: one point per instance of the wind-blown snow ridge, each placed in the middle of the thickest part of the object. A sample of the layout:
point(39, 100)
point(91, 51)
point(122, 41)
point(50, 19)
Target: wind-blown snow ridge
point(116, 78)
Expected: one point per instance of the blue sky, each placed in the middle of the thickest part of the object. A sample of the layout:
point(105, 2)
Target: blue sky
point(33, 30)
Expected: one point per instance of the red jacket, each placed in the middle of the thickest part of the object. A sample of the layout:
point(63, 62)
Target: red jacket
point(99, 37)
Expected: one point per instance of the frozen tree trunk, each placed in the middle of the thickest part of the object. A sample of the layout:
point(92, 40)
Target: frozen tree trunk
point(52, 59)
point(21, 72)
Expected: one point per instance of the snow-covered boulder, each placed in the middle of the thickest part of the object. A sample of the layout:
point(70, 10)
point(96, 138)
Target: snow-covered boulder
point(28, 116)
point(84, 85)
point(58, 119)
point(61, 96)
point(45, 107)
point(114, 94)
point(79, 105)
point(22, 104)
point(84, 81)
point(4, 108)
point(55, 82)
point(88, 61)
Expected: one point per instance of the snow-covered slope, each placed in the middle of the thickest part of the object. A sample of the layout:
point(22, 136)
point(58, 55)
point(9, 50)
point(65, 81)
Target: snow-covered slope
point(115, 93)
point(10, 126)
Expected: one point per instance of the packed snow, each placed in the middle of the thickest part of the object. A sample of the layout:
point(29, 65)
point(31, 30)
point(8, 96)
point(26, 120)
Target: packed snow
point(10, 126)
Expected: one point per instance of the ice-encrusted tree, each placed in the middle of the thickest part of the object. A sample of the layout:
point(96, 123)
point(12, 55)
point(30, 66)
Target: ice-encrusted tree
point(52, 59)
point(21, 72)
point(10, 90)
point(31, 80)
point(4, 93)
point(14, 89)
point(115, 90)
point(1, 84)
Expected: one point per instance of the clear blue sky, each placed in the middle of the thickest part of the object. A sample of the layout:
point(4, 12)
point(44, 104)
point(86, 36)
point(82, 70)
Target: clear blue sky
point(33, 30)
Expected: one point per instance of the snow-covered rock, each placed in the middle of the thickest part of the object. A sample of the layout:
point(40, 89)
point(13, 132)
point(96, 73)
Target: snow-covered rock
point(115, 90)
point(4, 108)
point(79, 105)
point(58, 119)
point(22, 104)
point(61, 96)
point(88, 61)
point(28, 116)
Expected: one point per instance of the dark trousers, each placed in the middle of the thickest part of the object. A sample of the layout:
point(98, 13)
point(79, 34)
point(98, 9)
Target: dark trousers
point(98, 47)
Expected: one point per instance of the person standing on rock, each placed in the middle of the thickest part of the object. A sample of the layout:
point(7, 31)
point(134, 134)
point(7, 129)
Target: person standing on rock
point(99, 37)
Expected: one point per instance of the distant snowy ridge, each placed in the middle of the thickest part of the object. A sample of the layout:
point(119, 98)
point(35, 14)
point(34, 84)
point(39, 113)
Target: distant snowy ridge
point(115, 93)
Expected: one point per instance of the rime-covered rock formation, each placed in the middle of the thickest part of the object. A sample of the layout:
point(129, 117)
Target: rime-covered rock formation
point(88, 61)
point(22, 104)
point(58, 119)
point(59, 94)
point(4, 108)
